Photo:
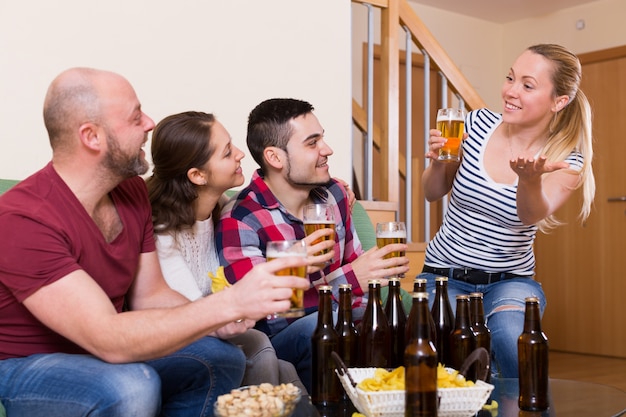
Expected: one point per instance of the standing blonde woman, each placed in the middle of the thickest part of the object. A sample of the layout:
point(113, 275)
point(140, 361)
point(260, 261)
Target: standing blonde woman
point(518, 168)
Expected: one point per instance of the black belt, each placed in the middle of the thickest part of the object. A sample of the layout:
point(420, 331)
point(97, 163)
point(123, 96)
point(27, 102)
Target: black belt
point(471, 276)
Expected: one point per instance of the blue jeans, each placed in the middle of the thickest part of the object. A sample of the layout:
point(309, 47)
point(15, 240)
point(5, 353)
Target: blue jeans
point(185, 383)
point(293, 344)
point(504, 304)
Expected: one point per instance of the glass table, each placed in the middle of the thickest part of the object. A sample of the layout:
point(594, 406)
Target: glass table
point(567, 399)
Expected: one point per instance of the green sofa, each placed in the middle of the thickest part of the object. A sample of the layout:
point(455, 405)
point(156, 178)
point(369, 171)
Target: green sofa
point(6, 184)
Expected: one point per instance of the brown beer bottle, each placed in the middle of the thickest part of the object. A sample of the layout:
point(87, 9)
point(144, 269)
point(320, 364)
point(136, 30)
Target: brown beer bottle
point(374, 331)
point(346, 330)
point(396, 317)
point(419, 285)
point(326, 385)
point(482, 334)
point(532, 351)
point(444, 319)
point(461, 337)
point(420, 362)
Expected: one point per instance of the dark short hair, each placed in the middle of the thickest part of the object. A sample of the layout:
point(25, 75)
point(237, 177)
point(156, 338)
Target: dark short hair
point(268, 125)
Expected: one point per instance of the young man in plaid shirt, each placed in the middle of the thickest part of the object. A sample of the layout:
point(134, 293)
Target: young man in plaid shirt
point(287, 141)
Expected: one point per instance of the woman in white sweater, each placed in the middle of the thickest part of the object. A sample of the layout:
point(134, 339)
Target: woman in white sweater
point(195, 162)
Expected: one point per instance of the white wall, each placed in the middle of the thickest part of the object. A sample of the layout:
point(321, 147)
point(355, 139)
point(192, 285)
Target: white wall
point(221, 56)
point(604, 28)
point(225, 56)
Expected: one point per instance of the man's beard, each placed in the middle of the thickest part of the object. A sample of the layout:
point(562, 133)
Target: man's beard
point(126, 166)
point(305, 182)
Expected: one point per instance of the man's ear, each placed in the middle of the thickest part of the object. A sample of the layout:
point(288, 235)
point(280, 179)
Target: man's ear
point(274, 157)
point(196, 176)
point(91, 136)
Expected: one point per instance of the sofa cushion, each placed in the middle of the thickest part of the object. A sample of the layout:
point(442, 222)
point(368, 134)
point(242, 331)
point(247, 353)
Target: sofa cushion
point(6, 184)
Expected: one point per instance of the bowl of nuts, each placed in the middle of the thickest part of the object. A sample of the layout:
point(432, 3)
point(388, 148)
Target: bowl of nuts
point(264, 400)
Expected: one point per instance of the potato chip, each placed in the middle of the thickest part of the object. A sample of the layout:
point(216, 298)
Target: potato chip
point(218, 281)
point(451, 379)
point(384, 380)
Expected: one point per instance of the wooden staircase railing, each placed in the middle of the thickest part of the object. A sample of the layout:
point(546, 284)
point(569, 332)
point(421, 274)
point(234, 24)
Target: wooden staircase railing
point(396, 16)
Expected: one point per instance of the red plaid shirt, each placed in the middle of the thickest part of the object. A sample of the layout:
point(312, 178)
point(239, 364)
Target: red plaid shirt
point(255, 216)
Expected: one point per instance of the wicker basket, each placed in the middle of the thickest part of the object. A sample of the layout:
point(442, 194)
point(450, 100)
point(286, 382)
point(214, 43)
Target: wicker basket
point(454, 402)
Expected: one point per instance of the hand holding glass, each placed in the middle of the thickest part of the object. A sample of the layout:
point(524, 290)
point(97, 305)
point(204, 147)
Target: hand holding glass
point(281, 249)
point(388, 233)
point(319, 216)
point(451, 123)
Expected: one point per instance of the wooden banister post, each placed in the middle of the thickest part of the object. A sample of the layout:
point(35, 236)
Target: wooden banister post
point(390, 105)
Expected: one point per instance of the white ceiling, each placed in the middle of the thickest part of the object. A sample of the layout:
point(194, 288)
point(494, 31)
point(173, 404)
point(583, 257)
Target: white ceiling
point(503, 11)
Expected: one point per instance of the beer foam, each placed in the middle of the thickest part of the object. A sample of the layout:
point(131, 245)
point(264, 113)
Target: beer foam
point(392, 234)
point(274, 254)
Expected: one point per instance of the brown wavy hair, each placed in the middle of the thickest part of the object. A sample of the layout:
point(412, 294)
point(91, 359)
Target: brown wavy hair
point(179, 143)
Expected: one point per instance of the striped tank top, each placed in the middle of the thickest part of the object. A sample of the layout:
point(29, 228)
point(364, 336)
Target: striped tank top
point(481, 228)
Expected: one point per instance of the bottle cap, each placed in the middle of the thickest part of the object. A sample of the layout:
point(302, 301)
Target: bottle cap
point(325, 288)
point(441, 279)
point(348, 286)
point(476, 294)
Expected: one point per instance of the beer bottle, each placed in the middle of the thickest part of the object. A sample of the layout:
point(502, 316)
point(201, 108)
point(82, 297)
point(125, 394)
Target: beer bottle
point(461, 337)
point(444, 319)
point(482, 334)
point(374, 331)
point(396, 317)
point(324, 341)
point(346, 330)
point(532, 350)
point(420, 362)
point(419, 285)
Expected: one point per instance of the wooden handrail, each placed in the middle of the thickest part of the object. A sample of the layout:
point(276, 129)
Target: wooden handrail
point(378, 3)
point(424, 38)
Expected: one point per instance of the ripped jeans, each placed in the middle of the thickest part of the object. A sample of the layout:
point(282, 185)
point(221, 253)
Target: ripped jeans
point(504, 304)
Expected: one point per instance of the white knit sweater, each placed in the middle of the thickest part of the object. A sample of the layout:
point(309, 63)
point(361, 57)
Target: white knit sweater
point(187, 257)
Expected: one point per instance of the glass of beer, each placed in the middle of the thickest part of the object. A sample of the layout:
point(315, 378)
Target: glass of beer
point(319, 216)
point(388, 233)
point(451, 123)
point(285, 248)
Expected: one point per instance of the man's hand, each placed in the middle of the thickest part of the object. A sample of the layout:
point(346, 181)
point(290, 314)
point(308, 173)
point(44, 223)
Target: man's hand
point(317, 259)
point(261, 293)
point(371, 265)
point(234, 329)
